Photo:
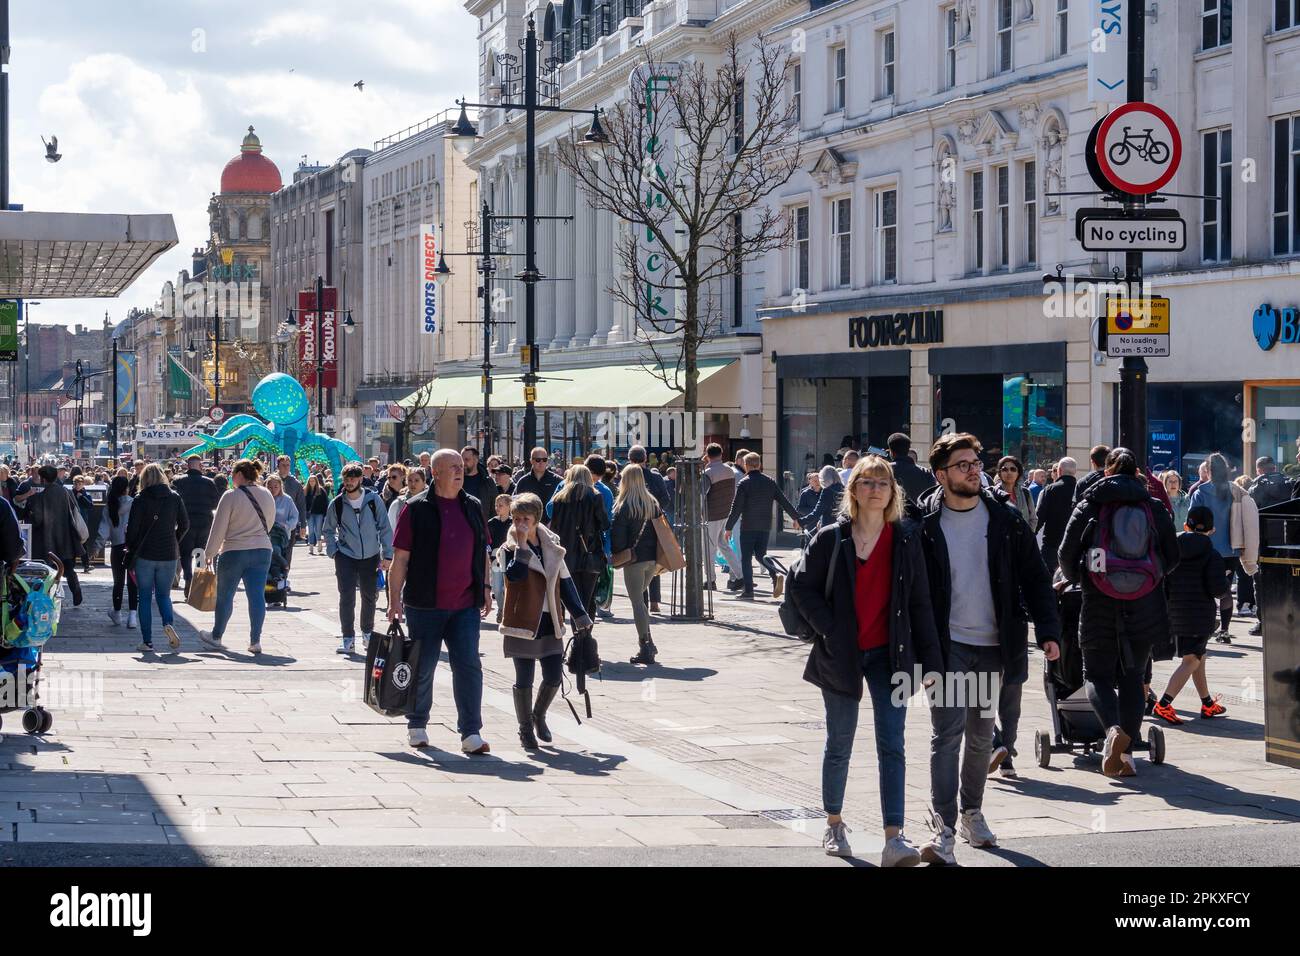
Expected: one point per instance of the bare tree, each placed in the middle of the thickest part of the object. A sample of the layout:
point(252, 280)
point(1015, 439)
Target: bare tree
point(692, 156)
point(691, 159)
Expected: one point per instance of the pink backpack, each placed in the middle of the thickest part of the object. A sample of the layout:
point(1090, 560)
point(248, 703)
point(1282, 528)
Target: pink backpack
point(1123, 564)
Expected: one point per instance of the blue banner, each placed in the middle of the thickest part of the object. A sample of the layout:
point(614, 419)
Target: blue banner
point(125, 383)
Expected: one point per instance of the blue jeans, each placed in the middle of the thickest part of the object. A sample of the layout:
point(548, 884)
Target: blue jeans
point(842, 723)
point(251, 567)
point(459, 631)
point(314, 524)
point(154, 580)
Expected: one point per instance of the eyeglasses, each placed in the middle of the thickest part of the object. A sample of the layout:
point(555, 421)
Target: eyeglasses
point(965, 467)
point(540, 460)
point(875, 484)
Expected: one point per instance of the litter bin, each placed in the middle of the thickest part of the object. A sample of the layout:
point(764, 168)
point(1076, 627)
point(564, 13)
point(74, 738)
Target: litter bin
point(1279, 610)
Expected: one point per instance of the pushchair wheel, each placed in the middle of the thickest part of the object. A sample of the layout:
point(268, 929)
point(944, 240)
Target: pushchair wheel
point(1156, 743)
point(32, 720)
point(47, 721)
point(1043, 748)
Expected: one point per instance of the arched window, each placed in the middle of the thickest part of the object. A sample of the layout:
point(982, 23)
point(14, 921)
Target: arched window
point(233, 221)
point(549, 29)
point(567, 32)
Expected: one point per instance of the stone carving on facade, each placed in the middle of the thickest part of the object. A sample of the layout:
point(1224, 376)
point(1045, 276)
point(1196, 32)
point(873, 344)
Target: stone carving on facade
point(1026, 9)
point(946, 187)
point(833, 167)
point(966, 129)
point(1053, 150)
point(965, 18)
point(1029, 116)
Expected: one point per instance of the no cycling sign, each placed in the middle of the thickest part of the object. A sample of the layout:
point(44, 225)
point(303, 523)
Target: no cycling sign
point(1134, 149)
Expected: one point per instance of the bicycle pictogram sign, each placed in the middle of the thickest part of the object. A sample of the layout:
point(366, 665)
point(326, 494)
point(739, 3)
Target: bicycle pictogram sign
point(1137, 148)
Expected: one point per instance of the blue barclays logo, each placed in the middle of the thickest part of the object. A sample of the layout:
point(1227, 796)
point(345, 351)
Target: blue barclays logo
point(1271, 326)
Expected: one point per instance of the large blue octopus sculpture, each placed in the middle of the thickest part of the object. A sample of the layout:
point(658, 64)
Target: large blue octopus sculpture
point(282, 401)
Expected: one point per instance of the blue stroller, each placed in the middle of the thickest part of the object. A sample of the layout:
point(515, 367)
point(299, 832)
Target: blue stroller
point(29, 617)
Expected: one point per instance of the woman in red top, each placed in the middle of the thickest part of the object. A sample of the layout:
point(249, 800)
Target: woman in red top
point(876, 625)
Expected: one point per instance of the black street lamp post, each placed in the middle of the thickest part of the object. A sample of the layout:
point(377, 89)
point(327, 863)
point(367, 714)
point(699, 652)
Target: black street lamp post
point(319, 319)
point(464, 133)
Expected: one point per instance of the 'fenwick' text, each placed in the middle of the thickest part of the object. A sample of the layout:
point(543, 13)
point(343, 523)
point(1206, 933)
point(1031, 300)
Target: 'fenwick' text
point(896, 328)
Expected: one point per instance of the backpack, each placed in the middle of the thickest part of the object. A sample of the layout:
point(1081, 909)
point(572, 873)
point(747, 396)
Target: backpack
point(1123, 563)
point(792, 620)
point(338, 510)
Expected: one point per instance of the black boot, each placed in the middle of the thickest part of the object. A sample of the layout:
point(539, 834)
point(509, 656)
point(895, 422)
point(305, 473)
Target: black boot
point(524, 714)
point(545, 694)
point(647, 653)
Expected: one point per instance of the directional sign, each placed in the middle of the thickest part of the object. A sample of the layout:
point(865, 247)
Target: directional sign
point(1137, 327)
point(1116, 233)
point(1136, 148)
point(1108, 51)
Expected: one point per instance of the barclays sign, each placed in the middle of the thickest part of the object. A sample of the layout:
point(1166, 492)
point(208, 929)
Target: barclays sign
point(1271, 326)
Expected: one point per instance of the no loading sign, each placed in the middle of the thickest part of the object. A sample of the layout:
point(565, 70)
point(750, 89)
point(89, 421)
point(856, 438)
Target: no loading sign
point(1134, 149)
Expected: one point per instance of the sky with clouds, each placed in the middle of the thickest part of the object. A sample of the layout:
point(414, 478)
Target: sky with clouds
point(151, 98)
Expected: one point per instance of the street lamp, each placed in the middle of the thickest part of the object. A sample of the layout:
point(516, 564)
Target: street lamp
point(462, 137)
point(319, 312)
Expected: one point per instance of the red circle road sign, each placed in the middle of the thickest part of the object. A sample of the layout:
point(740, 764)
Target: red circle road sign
point(1138, 148)
point(216, 413)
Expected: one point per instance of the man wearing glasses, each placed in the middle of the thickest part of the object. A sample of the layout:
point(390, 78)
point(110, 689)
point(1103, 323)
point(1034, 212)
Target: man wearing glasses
point(540, 480)
point(984, 566)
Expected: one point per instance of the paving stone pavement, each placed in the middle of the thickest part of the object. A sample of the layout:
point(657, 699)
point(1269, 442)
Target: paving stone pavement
point(719, 746)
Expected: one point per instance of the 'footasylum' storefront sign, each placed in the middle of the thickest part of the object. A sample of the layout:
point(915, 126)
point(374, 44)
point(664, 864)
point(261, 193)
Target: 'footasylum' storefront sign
point(896, 328)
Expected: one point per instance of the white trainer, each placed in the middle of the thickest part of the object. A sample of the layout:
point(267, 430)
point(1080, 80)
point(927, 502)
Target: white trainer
point(835, 841)
point(942, 846)
point(474, 744)
point(417, 737)
point(345, 646)
point(115, 617)
point(975, 829)
point(173, 638)
point(132, 619)
point(208, 641)
point(900, 852)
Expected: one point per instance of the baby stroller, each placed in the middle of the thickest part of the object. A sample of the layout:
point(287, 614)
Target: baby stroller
point(1075, 723)
point(277, 577)
point(29, 617)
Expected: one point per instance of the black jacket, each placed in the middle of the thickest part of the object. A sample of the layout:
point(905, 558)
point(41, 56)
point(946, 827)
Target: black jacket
point(581, 526)
point(11, 540)
point(1086, 482)
point(915, 480)
point(480, 486)
point(421, 586)
point(542, 487)
point(835, 662)
point(823, 512)
point(200, 495)
point(1270, 489)
point(639, 536)
point(1055, 505)
point(1103, 618)
point(53, 530)
point(1022, 588)
point(294, 489)
point(317, 502)
point(657, 485)
point(157, 523)
point(752, 506)
point(1195, 586)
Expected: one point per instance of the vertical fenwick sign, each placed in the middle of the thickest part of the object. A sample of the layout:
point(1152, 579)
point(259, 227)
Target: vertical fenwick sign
point(307, 320)
point(428, 280)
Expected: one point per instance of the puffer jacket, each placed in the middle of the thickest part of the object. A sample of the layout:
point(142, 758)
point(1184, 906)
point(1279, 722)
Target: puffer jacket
point(157, 523)
point(1195, 586)
point(1104, 619)
point(1022, 588)
point(835, 662)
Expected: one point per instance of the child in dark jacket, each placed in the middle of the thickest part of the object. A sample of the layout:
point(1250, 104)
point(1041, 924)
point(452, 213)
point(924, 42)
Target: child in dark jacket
point(1194, 589)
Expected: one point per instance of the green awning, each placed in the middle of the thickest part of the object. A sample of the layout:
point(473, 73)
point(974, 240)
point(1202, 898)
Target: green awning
point(577, 389)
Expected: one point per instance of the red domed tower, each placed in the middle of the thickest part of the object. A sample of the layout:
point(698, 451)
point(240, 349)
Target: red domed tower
point(250, 171)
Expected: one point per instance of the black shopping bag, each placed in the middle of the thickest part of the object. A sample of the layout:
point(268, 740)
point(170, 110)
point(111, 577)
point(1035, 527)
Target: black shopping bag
point(392, 664)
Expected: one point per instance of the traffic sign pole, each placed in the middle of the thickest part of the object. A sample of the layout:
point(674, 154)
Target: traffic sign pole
point(1133, 373)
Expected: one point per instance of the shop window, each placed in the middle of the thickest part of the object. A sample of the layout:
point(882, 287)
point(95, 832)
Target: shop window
point(1216, 23)
point(816, 414)
point(1216, 216)
point(1276, 410)
point(1286, 179)
point(1004, 38)
point(842, 241)
point(886, 235)
point(1011, 414)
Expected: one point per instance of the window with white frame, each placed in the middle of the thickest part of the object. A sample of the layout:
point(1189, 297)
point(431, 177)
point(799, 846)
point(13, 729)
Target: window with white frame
point(839, 77)
point(796, 90)
point(1004, 38)
point(1002, 179)
point(800, 262)
point(885, 237)
point(1216, 23)
point(841, 242)
point(885, 48)
point(1216, 217)
point(1030, 192)
point(977, 219)
point(1286, 185)
point(1061, 40)
point(1286, 14)
point(949, 47)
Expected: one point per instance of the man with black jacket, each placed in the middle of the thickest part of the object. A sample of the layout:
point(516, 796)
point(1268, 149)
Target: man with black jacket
point(1098, 458)
point(756, 493)
point(914, 479)
point(478, 484)
point(11, 539)
point(1055, 505)
point(54, 529)
point(540, 480)
point(200, 495)
point(984, 567)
